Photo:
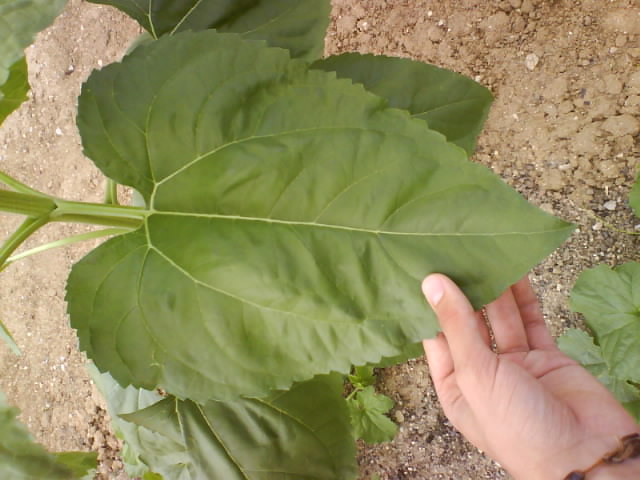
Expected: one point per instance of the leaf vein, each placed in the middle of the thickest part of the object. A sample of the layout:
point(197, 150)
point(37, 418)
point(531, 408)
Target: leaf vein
point(224, 292)
point(184, 18)
point(269, 22)
point(298, 421)
point(222, 444)
point(447, 105)
point(371, 231)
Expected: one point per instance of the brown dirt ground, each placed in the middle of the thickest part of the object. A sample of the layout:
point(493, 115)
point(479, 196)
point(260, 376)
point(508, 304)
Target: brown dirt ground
point(564, 131)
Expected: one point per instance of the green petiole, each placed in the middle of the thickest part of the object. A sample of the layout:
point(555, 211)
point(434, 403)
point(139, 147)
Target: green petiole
point(41, 209)
point(28, 228)
point(108, 232)
point(111, 195)
point(18, 186)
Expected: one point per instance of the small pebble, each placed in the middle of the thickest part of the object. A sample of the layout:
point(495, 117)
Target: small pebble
point(59, 131)
point(597, 226)
point(621, 41)
point(399, 416)
point(363, 25)
point(531, 61)
point(610, 205)
point(435, 34)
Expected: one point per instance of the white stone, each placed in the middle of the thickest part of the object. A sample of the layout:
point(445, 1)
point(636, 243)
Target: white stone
point(531, 61)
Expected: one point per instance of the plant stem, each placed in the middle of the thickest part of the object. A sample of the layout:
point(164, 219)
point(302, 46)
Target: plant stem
point(355, 390)
point(5, 335)
point(55, 210)
point(28, 227)
point(111, 196)
point(18, 186)
point(107, 232)
point(29, 204)
point(99, 214)
point(41, 209)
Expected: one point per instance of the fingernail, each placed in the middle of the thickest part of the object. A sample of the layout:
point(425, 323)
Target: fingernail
point(433, 289)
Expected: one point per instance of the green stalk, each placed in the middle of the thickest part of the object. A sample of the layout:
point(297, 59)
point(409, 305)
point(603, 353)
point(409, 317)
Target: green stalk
point(41, 209)
point(354, 392)
point(76, 212)
point(18, 186)
point(111, 196)
point(99, 214)
point(31, 205)
point(107, 232)
point(5, 335)
point(28, 228)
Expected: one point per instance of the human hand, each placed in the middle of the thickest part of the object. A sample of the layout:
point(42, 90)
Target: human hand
point(529, 406)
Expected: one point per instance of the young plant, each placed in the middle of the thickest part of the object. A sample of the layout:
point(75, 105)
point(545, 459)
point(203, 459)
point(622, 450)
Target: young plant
point(610, 302)
point(368, 408)
point(290, 208)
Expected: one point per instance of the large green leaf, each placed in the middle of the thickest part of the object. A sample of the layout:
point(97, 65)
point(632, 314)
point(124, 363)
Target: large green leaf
point(81, 464)
point(15, 89)
point(23, 459)
point(292, 217)
point(610, 302)
point(21, 20)
point(143, 449)
point(298, 25)
point(452, 104)
point(303, 433)
point(579, 346)
point(409, 352)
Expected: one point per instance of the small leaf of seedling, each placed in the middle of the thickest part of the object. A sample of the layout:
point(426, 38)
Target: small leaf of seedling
point(362, 377)
point(367, 409)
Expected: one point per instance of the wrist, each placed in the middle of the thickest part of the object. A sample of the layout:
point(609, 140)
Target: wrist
point(621, 462)
point(588, 457)
point(630, 469)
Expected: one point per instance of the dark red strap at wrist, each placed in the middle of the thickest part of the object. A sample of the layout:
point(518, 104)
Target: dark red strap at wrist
point(629, 448)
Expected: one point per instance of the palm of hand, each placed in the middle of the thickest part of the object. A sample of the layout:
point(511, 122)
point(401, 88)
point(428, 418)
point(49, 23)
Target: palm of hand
point(528, 406)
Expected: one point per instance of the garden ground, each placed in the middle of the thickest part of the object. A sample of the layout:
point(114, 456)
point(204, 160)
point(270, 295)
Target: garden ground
point(564, 131)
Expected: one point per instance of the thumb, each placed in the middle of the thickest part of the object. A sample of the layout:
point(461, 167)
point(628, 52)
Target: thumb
point(464, 329)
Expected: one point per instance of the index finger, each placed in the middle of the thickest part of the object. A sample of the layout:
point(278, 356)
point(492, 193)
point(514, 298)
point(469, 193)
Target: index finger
point(459, 322)
point(537, 332)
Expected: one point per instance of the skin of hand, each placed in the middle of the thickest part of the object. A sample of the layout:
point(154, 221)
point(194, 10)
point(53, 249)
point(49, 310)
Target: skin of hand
point(529, 406)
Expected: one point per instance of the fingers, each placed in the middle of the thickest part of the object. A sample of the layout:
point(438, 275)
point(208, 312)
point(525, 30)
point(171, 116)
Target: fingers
point(508, 330)
point(453, 402)
point(439, 358)
point(465, 335)
point(538, 335)
point(459, 348)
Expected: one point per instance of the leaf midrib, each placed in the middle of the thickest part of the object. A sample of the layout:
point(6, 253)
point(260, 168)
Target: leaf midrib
point(351, 229)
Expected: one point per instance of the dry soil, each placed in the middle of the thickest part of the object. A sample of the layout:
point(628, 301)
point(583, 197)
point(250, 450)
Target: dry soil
point(564, 131)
